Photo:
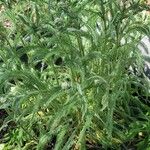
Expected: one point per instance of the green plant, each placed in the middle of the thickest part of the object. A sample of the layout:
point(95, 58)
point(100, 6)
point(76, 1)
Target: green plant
point(86, 100)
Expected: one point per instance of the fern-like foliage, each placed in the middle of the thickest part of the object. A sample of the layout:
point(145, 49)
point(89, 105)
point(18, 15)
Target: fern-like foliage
point(64, 77)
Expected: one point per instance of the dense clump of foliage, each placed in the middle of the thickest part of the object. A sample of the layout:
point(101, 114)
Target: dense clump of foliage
point(64, 78)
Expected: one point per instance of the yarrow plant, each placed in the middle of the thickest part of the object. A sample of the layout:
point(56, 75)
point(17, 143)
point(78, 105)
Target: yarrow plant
point(65, 79)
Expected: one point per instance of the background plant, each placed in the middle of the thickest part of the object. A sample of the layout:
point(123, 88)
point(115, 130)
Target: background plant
point(87, 99)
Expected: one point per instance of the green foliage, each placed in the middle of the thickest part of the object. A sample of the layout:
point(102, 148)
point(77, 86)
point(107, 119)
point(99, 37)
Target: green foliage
point(96, 106)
